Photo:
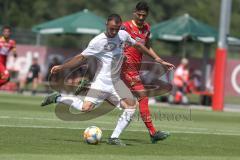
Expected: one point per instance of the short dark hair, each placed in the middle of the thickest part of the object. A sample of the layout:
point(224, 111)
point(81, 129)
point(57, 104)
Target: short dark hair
point(6, 27)
point(142, 6)
point(116, 17)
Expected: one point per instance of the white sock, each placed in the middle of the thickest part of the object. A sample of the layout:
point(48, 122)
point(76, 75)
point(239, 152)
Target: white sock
point(72, 101)
point(123, 122)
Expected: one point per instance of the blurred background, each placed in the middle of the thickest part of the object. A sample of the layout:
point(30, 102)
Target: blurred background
point(183, 32)
point(37, 40)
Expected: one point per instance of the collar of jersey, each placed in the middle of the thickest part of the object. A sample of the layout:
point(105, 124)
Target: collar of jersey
point(107, 36)
point(140, 27)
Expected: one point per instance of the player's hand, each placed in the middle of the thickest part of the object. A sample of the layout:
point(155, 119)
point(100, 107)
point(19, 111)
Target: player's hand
point(56, 69)
point(169, 66)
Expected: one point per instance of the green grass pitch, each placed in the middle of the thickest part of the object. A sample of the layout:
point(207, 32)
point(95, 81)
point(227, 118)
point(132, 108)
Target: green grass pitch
point(28, 132)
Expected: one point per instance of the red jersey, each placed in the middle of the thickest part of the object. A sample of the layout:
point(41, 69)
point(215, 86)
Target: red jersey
point(181, 76)
point(140, 35)
point(5, 48)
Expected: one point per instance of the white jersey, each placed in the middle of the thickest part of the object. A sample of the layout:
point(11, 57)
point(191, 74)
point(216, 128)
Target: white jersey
point(109, 51)
point(107, 84)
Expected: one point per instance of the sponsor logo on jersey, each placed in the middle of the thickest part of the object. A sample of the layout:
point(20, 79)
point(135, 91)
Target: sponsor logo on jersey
point(110, 46)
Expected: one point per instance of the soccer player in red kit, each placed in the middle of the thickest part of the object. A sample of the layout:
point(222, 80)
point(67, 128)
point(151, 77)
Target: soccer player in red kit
point(140, 31)
point(7, 45)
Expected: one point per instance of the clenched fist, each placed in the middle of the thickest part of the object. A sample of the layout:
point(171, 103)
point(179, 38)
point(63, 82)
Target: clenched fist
point(56, 69)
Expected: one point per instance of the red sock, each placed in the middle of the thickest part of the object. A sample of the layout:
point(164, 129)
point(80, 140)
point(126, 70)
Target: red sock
point(145, 114)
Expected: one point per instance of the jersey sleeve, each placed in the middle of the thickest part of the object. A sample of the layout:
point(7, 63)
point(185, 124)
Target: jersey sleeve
point(124, 26)
point(131, 41)
point(93, 48)
point(128, 38)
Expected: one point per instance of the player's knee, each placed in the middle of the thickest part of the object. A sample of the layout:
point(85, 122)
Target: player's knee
point(129, 104)
point(87, 106)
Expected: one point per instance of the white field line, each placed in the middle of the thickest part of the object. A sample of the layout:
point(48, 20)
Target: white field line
point(135, 122)
point(97, 122)
point(28, 118)
point(199, 130)
point(106, 122)
point(163, 105)
point(100, 122)
point(131, 130)
point(23, 101)
point(50, 119)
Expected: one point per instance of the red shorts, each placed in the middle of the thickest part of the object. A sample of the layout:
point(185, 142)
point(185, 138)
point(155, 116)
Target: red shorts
point(131, 76)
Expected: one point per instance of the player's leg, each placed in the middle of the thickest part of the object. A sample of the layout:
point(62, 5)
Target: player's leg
point(123, 121)
point(128, 105)
point(56, 97)
point(93, 99)
point(4, 75)
point(23, 82)
point(144, 108)
point(146, 116)
point(34, 85)
point(137, 86)
point(70, 100)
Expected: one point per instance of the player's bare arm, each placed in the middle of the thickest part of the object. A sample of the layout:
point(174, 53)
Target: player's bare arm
point(151, 53)
point(70, 64)
point(155, 56)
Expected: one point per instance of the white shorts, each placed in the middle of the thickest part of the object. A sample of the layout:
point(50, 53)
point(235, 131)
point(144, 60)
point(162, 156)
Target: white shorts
point(114, 92)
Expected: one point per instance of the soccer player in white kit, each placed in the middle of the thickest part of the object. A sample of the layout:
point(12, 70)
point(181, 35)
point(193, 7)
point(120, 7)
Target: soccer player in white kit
point(108, 48)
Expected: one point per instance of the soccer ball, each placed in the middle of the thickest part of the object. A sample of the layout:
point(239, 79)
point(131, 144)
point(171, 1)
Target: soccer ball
point(92, 135)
